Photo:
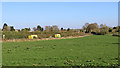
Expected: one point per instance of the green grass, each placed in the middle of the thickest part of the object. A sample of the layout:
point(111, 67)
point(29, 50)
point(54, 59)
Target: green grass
point(97, 50)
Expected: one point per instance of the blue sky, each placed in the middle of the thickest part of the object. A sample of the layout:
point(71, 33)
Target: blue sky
point(64, 14)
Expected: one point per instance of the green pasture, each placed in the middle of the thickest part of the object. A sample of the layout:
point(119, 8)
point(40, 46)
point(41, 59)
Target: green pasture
point(95, 50)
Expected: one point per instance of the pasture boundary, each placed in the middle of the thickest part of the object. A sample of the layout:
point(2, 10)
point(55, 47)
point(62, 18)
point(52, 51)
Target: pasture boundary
point(21, 40)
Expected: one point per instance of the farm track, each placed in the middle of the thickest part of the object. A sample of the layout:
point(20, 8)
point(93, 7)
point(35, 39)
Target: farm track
point(21, 40)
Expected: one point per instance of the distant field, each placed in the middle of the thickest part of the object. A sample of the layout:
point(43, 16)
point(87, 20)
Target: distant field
point(94, 50)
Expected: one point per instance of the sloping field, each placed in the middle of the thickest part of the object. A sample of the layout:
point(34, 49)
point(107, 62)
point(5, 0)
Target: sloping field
point(97, 50)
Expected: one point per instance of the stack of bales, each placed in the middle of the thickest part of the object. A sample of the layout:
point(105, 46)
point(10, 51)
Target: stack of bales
point(32, 36)
point(57, 36)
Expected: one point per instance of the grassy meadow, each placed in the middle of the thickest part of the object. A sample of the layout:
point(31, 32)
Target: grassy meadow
point(97, 50)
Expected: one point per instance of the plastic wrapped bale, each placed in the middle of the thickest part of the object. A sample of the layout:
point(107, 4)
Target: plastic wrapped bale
point(57, 36)
point(32, 36)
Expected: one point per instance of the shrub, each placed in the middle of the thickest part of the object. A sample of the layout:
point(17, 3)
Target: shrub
point(110, 30)
point(116, 34)
point(101, 31)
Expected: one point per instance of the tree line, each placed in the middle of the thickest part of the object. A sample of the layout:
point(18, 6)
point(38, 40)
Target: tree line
point(49, 31)
point(93, 28)
point(38, 28)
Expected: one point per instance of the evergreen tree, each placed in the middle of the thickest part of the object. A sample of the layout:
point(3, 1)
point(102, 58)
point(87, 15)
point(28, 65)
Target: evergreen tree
point(68, 29)
point(12, 28)
point(61, 28)
point(5, 27)
point(39, 28)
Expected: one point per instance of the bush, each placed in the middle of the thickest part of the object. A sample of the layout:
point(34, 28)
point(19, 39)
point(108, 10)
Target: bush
point(116, 34)
point(110, 30)
point(15, 35)
point(101, 31)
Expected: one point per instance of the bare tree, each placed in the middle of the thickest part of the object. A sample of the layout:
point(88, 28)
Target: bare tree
point(92, 27)
point(55, 28)
point(101, 25)
point(47, 28)
point(34, 28)
point(84, 28)
point(86, 25)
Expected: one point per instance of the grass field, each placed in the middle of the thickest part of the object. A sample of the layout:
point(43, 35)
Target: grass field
point(97, 50)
